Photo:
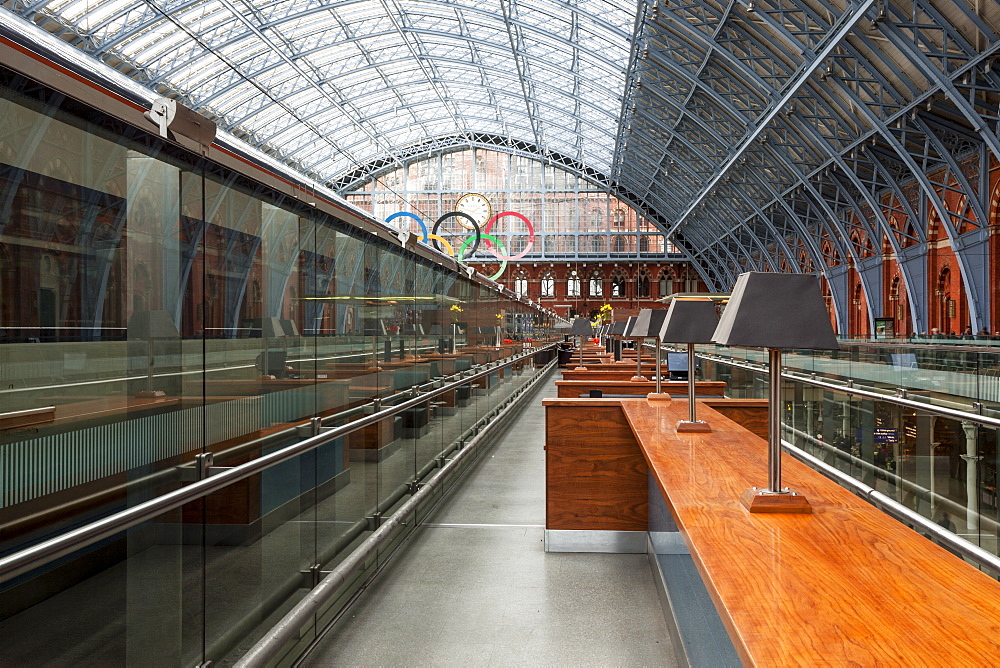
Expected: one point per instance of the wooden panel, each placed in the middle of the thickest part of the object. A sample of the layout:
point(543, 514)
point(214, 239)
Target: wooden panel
point(572, 389)
point(844, 586)
point(596, 477)
point(27, 418)
point(751, 414)
point(373, 437)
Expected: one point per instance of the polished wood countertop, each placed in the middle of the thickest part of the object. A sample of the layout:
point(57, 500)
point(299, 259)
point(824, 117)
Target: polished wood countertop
point(844, 586)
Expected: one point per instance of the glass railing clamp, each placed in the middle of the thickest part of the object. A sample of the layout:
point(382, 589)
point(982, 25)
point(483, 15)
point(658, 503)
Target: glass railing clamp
point(312, 577)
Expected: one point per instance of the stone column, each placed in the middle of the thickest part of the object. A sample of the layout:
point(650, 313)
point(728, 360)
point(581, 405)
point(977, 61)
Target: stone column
point(923, 460)
point(971, 458)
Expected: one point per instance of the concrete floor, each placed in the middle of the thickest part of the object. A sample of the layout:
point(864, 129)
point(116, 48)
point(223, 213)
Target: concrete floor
point(474, 587)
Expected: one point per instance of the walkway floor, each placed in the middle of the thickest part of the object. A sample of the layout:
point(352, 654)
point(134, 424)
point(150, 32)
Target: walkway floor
point(474, 586)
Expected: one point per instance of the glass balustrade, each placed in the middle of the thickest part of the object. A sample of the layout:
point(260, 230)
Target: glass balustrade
point(163, 318)
point(904, 420)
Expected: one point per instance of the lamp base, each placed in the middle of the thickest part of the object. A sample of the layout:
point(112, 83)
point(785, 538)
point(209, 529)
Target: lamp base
point(759, 500)
point(580, 368)
point(150, 394)
point(637, 379)
point(662, 397)
point(697, 427)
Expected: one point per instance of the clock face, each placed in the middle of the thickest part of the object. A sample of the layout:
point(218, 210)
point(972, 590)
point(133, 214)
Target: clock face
point(475, 205)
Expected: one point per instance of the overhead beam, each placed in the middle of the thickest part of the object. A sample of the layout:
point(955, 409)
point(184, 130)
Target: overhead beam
point(846, 25)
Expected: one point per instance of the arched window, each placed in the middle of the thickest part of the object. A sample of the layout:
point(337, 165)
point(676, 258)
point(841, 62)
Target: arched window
point(642, 284)
point(548, 285)
point(521, 283)
point(573, 285)
point(618, 285)
point(596, 286)
point(666, 286)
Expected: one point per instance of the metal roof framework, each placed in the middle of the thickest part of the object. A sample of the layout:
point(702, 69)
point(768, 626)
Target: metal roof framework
point(785, 135)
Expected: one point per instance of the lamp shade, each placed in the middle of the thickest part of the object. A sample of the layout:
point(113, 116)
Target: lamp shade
point(581, 327)
point(629, 326)
point(690, 321)
point(647, 324)
point(289, 327)
point(776, 311)
point(269, 327)
point(617, 328)
point(152, 325)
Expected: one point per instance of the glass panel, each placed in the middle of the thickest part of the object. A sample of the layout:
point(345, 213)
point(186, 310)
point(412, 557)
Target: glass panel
point(152, 316)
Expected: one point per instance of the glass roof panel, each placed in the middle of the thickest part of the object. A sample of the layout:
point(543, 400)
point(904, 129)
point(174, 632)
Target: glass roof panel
point(340, 69)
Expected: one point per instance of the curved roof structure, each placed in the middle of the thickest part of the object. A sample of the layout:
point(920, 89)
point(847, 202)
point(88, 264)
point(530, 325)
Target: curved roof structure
point(786, 135)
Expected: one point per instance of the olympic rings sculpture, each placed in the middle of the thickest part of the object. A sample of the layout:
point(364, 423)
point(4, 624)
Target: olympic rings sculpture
point(493, 244)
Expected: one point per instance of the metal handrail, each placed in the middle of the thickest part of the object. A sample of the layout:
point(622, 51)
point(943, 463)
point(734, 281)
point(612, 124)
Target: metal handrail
point(887, 504)
point(287, 630)
point(43, 553)
point(908, 486)
point(897, 510)
point(801, 377)
point(168, 475)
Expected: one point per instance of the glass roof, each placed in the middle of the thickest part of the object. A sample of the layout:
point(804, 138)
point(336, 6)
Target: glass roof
point(763, 135)
point(331, 85)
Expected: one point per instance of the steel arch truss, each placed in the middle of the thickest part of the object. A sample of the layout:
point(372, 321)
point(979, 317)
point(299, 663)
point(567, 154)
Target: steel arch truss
point(773, 146)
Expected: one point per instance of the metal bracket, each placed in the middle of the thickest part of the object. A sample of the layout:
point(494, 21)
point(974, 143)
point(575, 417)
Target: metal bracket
point(374, 521)
point(312, 577)
point(201, 468)
point(413, 487)
point(901, 392)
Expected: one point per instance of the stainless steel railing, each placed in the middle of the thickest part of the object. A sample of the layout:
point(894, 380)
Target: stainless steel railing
point(853, 390)
point(287, 630)
point(893, 508)
point(43, 553)
point(890, 506)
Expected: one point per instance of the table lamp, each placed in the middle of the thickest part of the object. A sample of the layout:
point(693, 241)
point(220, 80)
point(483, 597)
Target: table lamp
point(606, 337)
point(775, 311)
point(615, 332)
point(647, 326)
point(582, 328)
point(271, 365)
point(690, 320)
point(151, 325)
point(633, 330)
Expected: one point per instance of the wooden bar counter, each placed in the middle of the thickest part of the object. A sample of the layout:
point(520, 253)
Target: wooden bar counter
point(844, 586)
point(571, 389)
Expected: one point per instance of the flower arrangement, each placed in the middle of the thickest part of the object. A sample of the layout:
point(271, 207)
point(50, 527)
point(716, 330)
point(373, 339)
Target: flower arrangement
point(508, 340)
point(455, 310)
point(499, 316)
point(604, 314)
